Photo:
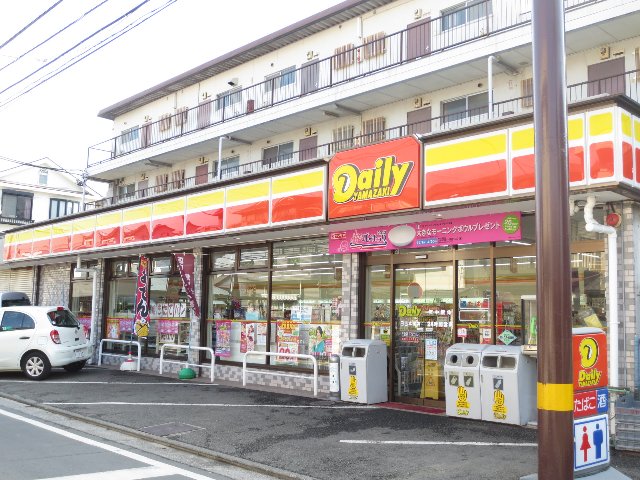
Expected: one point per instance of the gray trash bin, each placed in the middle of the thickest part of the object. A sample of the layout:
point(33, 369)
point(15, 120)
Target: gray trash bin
point(462, 380)
point(509, 385)
point(363, 371)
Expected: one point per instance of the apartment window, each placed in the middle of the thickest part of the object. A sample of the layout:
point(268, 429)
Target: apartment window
point(230, 166)
point(126, 191)
point(527, 92)
point(130, 134)
point(344, 56)
point(374, 45)
point(17, 204)
point(228, 98)
point(373, 130)
point(342, 138)
point(465, 107)
point(277, 153)
point(44, 176)
point(465, 12)
point(59, 207)
point(280, 79)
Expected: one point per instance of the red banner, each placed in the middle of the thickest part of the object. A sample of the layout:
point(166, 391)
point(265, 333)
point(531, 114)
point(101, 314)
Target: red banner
point(141, 319)
point(185, 263)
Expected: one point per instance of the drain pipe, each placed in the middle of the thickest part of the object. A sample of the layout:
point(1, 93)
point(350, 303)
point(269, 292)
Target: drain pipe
point(490, 60)
point(220, 139)
point(593, 226)
point(94, 295)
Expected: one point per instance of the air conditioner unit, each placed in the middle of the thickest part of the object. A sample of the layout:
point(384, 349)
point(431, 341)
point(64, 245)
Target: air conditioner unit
point(203, 160)
point(417, 102)
point(147, 118)
point(605, 53)
point(310, 55)
point(417, 13)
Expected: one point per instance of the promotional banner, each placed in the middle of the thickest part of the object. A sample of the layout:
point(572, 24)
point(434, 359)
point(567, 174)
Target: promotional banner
point(185, 263)
point(223, 338)
point(141, 319)
point(493, 227)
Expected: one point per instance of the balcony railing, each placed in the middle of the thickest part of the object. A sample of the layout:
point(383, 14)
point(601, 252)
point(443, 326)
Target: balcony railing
point(620, 84)
point(14, 220)
point(378, 52)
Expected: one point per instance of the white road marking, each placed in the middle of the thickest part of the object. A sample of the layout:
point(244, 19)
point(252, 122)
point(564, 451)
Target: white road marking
point(129, 474)
point(167, 404)
point(167, 469)
point(417, 442)
point(106, 383)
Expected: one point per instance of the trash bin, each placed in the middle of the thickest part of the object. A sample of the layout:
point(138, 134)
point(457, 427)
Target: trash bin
point(363, 371)
point(462, 380)
point(509, 385)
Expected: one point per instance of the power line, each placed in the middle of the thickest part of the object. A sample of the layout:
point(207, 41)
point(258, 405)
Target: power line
point(78, 44)
point(81, 179)
point(54, 35)
point(91, 50)
point(32, 22)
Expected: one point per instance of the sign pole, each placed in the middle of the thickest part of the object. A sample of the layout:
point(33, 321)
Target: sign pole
point(555, 381)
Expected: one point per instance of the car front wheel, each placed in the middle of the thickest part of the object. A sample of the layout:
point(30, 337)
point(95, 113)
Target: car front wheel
point(75, 366)
point(36, 366)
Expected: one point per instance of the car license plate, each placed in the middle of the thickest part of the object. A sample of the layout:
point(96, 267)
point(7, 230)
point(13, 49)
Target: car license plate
point(78, 353)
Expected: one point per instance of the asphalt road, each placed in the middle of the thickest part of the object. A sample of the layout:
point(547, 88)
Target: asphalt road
point(290, 436)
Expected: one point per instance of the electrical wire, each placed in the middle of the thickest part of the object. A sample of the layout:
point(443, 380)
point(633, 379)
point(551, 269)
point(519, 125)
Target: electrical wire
point(91, 50)
point(32, 22)
point(81, 179)
point(78, 44)
point(54, 35)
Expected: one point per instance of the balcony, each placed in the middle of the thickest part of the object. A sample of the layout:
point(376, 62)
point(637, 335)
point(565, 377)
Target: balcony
point(616, 85)
point(430, 39)
point(4, 220)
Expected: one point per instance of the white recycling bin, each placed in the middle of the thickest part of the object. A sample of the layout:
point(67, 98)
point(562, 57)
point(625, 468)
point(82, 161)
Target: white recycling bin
point(509, 385)
point(363, 371)
point(462, 380)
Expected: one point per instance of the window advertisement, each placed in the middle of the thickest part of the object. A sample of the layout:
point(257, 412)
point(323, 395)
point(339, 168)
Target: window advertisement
point(378, 178)
point(474, 302)
point(515, 280)
point(81, 296)
point(377, 321)
point(237, 321)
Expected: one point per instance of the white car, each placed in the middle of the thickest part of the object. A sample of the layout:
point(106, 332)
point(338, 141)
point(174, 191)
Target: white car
point(35, 339)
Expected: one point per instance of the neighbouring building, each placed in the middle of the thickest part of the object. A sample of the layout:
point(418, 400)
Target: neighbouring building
point(349, 177)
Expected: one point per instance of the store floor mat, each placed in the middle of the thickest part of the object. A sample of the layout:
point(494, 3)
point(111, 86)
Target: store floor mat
point(412, 408)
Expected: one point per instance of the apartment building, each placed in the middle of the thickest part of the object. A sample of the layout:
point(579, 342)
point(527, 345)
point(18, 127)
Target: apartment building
point(365, 173)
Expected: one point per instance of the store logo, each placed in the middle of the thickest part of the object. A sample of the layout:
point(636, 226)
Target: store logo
point(588, 350)
point(386, 179)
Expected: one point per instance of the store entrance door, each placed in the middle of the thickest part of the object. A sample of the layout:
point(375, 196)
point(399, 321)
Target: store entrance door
point(423, 330)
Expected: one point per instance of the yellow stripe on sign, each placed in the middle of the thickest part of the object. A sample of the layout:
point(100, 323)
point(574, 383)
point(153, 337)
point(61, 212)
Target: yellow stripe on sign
point(42, 232)
point(495, 144)
point(305, 180)
point(109, 219)
point(25, 236)
point(169, 207)
point(636, 128)
point(522, 139)
point(247, 192)
point(61, 229)
point(601, 124)
point(625, 120)
point(204, 200)
point(555, 396)
point(137, 214)
point(10, 238)
point(84, 224)
point(575, 128)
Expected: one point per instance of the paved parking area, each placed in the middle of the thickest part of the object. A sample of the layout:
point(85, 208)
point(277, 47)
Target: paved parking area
point(311, 437)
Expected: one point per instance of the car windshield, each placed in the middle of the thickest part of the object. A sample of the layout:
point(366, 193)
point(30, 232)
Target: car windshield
point(62, 318)
point(16, 302)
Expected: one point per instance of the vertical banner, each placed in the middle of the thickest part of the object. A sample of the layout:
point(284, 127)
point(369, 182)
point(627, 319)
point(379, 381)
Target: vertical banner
point(185, 263)
point(141, 324)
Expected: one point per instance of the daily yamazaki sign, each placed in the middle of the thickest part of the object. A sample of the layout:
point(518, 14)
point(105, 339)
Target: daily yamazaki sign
point(378, 178)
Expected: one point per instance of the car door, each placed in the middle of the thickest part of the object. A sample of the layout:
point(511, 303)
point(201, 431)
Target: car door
point(16, 333)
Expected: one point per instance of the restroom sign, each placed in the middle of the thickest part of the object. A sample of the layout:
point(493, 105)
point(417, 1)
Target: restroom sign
point(591, 442)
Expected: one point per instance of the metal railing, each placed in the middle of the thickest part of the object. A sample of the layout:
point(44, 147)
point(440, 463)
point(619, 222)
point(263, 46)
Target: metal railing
point(284, 355)
point(127, 342)
point(15, 220)
point(431, 37)
point(186, 363)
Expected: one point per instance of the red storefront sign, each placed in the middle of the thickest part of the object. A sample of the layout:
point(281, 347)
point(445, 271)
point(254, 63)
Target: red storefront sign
point(589, 359)
point(590, 403)
point(378, 178)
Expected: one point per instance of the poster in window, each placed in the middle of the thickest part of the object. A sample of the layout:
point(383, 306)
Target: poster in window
point(113, 328)
point(288, 337)
point(223, 338)
point(247, 337)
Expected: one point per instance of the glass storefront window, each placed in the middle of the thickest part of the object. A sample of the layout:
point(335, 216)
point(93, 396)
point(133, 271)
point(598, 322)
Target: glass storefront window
point(237, 320)
point(515, 283)
point(223, 260)
point(254, 257)
point(377, 319)
point(81, 296)
point(474, 302)
point(161, 265)
point(588, 290)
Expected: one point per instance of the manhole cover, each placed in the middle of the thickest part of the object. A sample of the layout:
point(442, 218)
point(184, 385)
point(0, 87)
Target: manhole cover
point(167, 429)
